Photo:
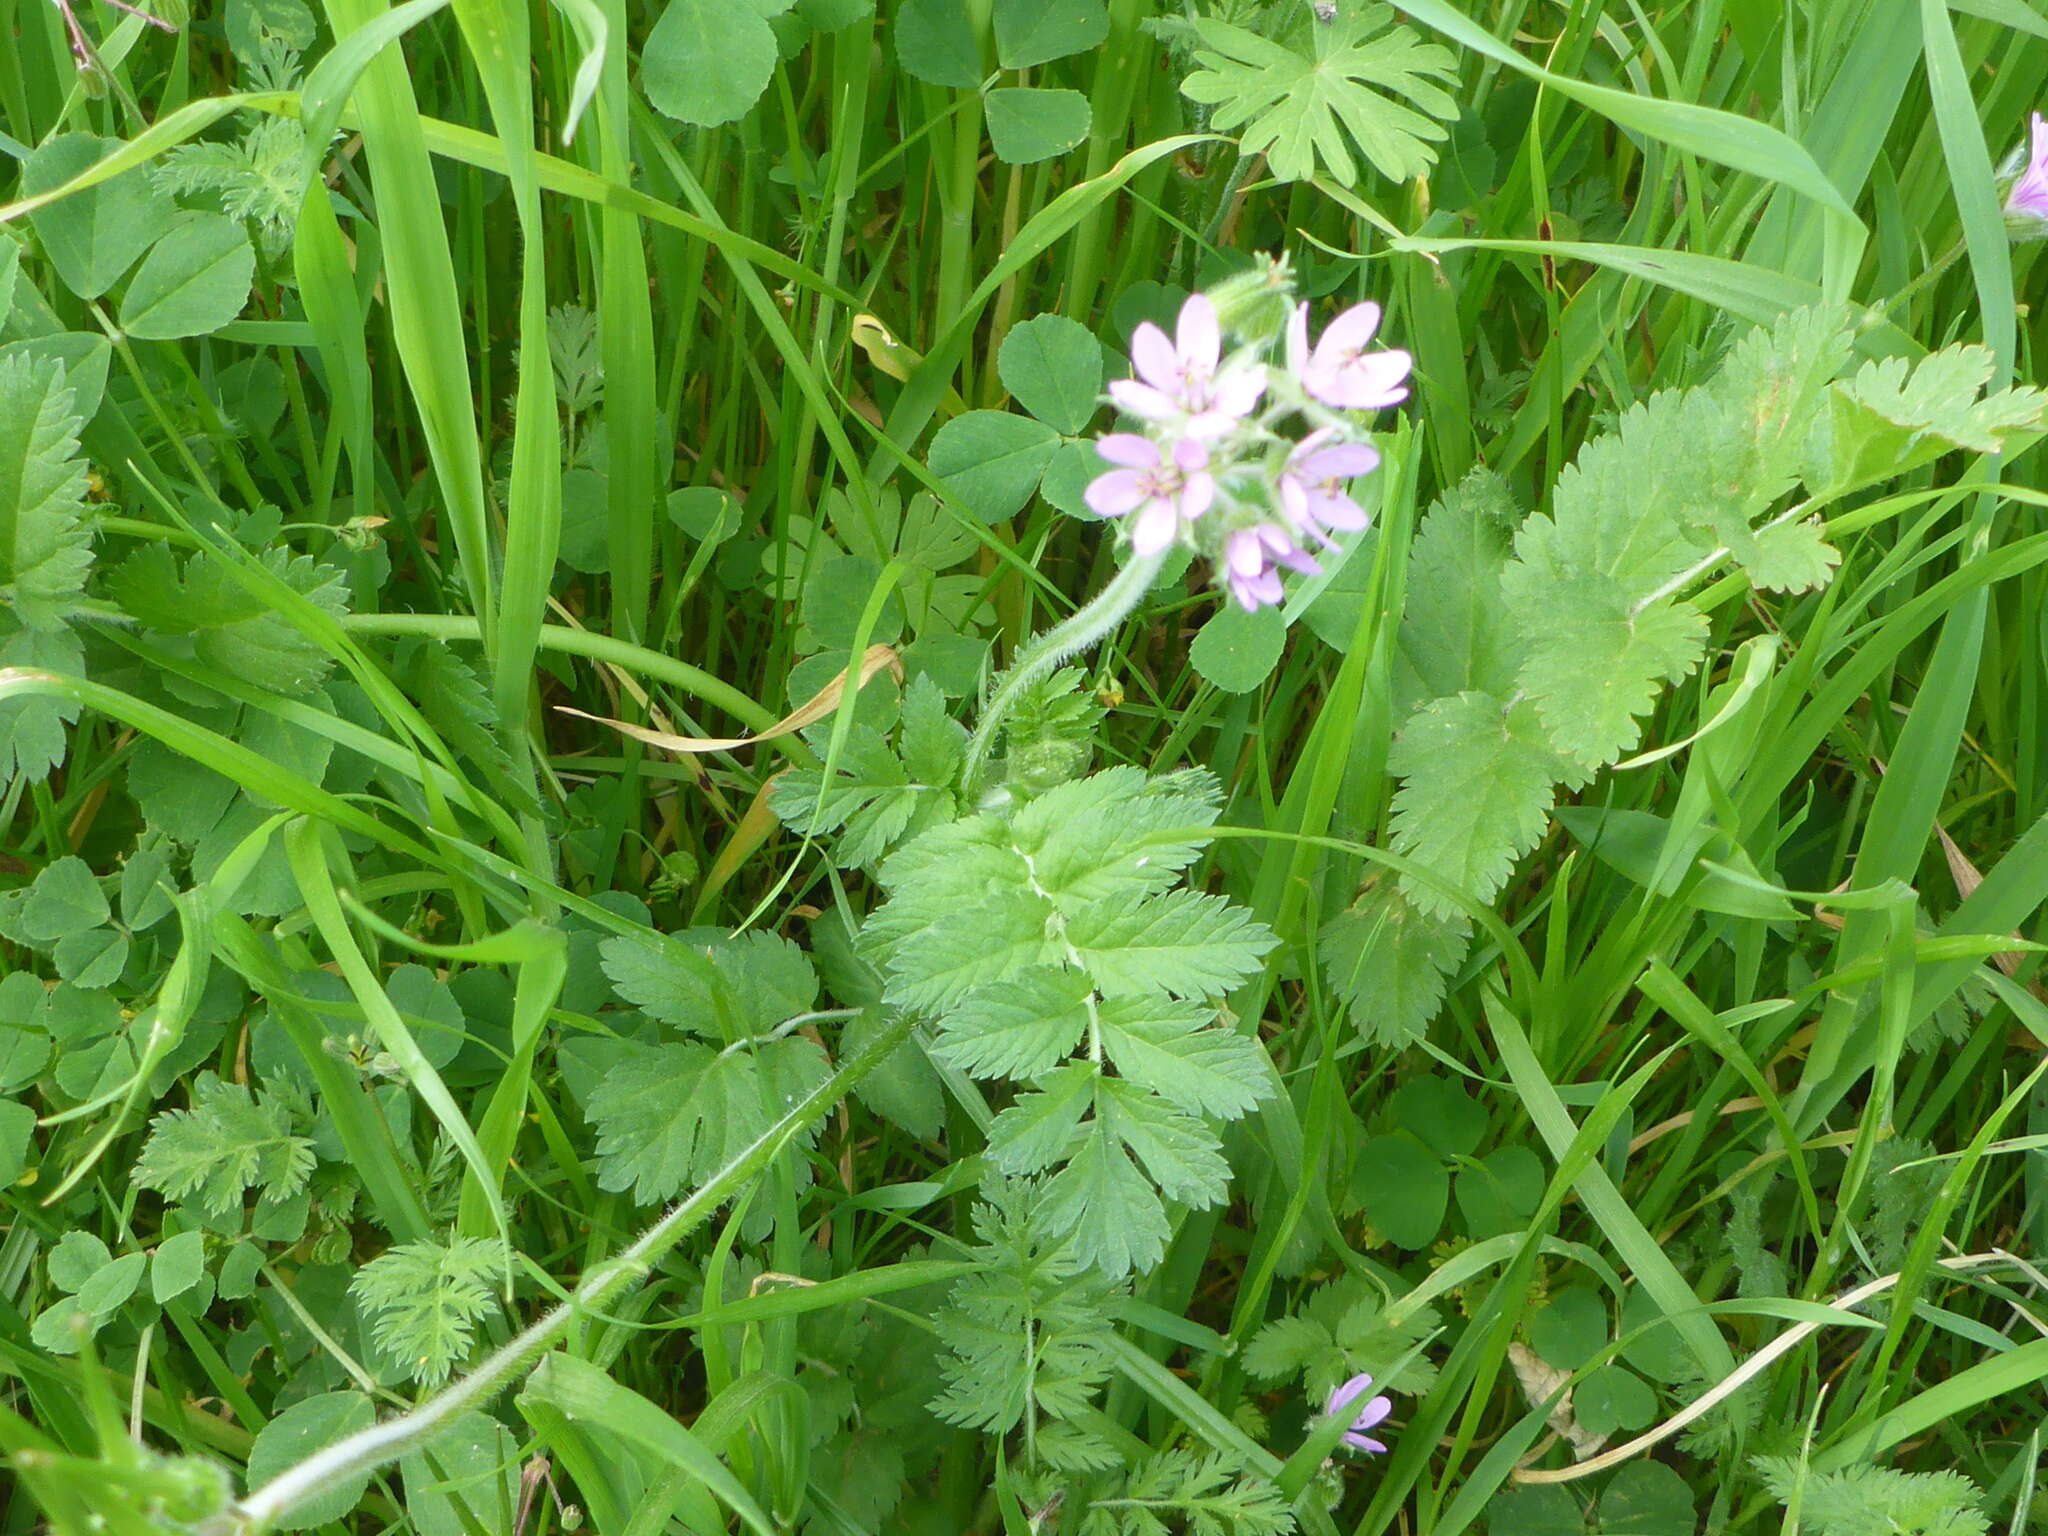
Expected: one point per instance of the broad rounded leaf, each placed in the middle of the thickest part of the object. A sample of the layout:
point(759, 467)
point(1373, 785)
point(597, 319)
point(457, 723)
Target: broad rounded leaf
point(1402, 1188)
point(1236, 650)
point(991, 460)
point(308, 1426)
point(707, 62)
point(1030, 123)
point(1030, 32)
point(1646, 1498)
point(194, 280)
point(1052, 366)
point(93, 236)
point(935, 43)
point(179, 1264)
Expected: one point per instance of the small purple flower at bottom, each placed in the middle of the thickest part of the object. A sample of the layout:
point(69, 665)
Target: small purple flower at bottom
point(1161, 488)
point(1311, 491)
point(1373, 1413)
point(2028, 199)
point(1250, 556)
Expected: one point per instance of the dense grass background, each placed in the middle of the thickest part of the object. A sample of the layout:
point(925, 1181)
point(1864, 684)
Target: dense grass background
point(600, 419)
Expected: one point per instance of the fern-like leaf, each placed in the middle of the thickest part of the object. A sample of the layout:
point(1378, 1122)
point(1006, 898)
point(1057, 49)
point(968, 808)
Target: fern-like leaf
point(229, 1142)
point(425, 1299)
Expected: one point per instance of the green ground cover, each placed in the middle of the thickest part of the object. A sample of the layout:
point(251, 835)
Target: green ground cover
point(640, 892)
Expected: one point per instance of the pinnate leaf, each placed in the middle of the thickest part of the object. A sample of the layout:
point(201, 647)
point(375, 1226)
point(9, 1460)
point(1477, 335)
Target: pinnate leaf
point(44, 553)
point(229, 1142)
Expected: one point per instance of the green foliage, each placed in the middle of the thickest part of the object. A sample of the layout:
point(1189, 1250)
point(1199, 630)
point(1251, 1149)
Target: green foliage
point(229, 1142)
point(1876, 1501)
point(44, 549)
point(1344, 1329)
point(1026, 1335)
point(425, 1299)
point(1363, 84)
point(1182, 1489)
point(226, 624)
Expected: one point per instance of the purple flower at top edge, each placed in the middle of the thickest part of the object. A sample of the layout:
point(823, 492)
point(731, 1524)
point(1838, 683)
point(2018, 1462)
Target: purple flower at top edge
point(2029, 195)
point(1339, 371)
point(1180, 378)
point(1162, 488)
point(1372, 1414)
point(1311, 492)
point(1250, 556)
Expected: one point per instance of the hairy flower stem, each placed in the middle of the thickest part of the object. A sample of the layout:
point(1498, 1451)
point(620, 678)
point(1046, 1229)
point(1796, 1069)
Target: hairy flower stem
point(1043, 653)
point(386, 1442)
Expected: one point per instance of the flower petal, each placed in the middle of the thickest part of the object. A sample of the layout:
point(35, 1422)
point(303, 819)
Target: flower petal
point(1297, 339)
point(1143, 400)
point(1236, 391)
point(1198, 495)
point(1365, 1443)
point(1114, 494)
point(1128, 449)
point(1340, 461)
point(1154, 529)
point(1200, 338)
point(1154, 358)
point(1350, 331)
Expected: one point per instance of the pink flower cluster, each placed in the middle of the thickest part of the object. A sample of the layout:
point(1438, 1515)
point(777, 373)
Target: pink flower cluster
point(1212, 467)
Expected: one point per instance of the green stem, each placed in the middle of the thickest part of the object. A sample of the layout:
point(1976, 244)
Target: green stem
point(384, 1443)
point(1085, 627)
point(694, 681)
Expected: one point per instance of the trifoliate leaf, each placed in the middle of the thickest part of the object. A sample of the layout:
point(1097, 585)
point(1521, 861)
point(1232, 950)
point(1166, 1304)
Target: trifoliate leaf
point(1034, 32)
point(309, 1425)
point(1236, 650)
point(65, 899)
point(669, 1116)
point(194, 280)
point(1027, 124)
point(1052, 367)
point(707, 62)
point(935, 43)
point(93, 236)
point(44, 550)
point(229, 1142)
point(1307, 112)
point(991, 461)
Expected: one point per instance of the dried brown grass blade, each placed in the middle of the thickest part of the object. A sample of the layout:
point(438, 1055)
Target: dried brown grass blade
point(812, 710)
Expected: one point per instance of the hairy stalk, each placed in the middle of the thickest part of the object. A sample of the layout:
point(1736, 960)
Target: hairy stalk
point(383, 1443)
point(1044, 653)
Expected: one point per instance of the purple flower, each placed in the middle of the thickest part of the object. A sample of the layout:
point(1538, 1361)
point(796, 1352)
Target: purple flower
point(2028, 199)
point(1311, 494)
point(1250, 556)
point(1161, 488)
point(1340, 372)
point(1371, 1414)
point(1179, 378)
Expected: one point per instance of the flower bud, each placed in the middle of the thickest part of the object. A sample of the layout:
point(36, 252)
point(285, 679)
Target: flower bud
point(1253, 305)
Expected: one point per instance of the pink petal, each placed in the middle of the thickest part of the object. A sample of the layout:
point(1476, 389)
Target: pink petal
point(1143, 400)
point(1154, 529)
point(1197, 495)
point(1129, 449)
point(1153, 356)
point(1334, 510)
point(2039, 152)
point(1340, 461)
point(1237, 390)
point(1294, 499)
point(1350, 331)
point(1114, 494)
point(1190, 455)
point(1241, 553)
point(1365, 1443)
point(1297, 339)
point(1200, 338)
